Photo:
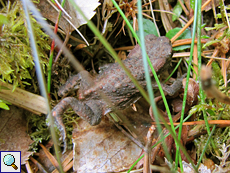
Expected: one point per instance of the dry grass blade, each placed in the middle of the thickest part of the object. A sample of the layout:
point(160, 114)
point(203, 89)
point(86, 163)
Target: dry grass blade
point(166, 19)
point(147, 157)
point(50, 156)
point(23, 99)
point(40, 167)
point(29, 170)
point(67, 163)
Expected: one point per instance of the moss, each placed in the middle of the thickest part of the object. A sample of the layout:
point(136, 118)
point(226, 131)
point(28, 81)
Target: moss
point(221, 135)
point(16, 60)
point(40, 130)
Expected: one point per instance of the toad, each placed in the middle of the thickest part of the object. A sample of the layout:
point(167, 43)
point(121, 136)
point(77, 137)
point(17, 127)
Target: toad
point(112, 88)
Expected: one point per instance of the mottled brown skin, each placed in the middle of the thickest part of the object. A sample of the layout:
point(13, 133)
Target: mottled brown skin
point(114, 84)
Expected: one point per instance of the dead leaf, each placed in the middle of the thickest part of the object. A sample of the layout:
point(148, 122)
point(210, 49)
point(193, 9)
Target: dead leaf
point(102, 148)
point(171, 146)
point(193, 91)
point(50, 13)
point(44, 161)
point(13, 136)
point(47, 163)
point(177, 105)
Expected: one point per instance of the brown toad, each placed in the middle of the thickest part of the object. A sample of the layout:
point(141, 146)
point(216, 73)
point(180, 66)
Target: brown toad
point(97, 96)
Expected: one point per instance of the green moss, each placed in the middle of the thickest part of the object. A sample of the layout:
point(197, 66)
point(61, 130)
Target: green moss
point(221, 135)
point(40, 130)
point(16, 60)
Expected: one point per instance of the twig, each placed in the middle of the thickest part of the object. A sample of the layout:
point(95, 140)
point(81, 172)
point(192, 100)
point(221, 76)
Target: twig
point(40, 167)
point(60, 51)
point(209, 88)
point(148, 149)
point(28, 168)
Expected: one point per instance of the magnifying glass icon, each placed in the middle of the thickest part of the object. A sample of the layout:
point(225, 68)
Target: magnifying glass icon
point(9, 160)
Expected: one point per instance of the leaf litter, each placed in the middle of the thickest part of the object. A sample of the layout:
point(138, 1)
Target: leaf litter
point(111, 151)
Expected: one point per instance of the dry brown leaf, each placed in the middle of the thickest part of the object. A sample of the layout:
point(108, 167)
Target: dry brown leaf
point(193, 91)
point(177, 105)
point(46, 163)
point(102, 148)
point(166, 18)
point(171, 146)
point(108, 148)
point(13, 136)
point(50, 13)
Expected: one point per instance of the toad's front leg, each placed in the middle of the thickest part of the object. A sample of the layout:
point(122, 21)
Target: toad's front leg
point(83, 79)
point(93, 117)
point(172, 89)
